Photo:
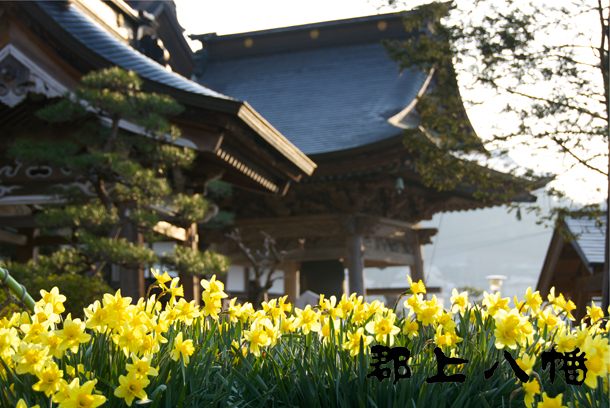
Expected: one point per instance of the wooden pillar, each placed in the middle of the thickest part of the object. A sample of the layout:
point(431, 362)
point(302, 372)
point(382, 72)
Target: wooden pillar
point(582, 299)
point(190, 282)
point(131, 280)
point(291, 280)
point(417, 270)
point(29, 250)
point(355, 264)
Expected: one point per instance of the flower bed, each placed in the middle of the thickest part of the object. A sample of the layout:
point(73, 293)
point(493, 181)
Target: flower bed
point(181, 355)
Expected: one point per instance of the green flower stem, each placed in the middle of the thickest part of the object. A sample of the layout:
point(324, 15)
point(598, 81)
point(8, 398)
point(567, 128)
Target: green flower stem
point(17, 289)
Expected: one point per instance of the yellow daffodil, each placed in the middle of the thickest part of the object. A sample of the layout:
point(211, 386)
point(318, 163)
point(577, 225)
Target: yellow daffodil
point(359, 314)
point(53, 298)
point(594, 313)
point(548, 402)
point(346, 305)
point(98, 317)
point(330, 307)
point(430, 312)
point(383, 328)
point(326, 328)
point(287, 325)
point(9, 341)
point(442, 339)
point(149, 344)
point(141, 366)
point(415, 288)
point(214, 287)
point(128, 338)
point(495, 303)
point(531, 388)
point(72, 334)
point(257, 336)
point(174, 290)
point(526, 362)
point(116, 306)
point(354, 339)
point(508, 329)
point(567, 309)
point(49, 376)
point(212, 305)
point(45, 314)
point(446, 321)
point(307, 320)
point(564, 340)
point(187, 311)
point(21, 404)
point(82, 396)
point(273, 332)
point(597, 352)
point(532, 300)
point(34, 330)
point(30, 357)
point(415, 303)
point(161, 279)
point(234, 311)
point(547, 318)
point(182, 348)
point(131, 387)
point(459, 301)
point(411, 329)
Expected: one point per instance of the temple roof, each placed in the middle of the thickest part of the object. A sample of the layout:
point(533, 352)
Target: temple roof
point(118, 53)
point(327, 87)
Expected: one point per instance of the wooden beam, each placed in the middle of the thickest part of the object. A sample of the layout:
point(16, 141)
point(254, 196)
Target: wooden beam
point(171, 231)
point(18, 221)
point(398, 291)
point(315, 254)
point(389, 258)
point(13, 238)
point(326, 225)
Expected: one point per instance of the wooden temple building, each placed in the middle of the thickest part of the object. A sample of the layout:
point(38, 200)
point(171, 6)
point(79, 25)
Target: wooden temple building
point(331, 89)
point(46, 47)
point(305, 122)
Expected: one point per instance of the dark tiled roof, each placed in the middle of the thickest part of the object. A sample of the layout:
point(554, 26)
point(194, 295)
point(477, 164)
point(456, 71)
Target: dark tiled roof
point(590, 238)
point(323, 99)
point(116, 52)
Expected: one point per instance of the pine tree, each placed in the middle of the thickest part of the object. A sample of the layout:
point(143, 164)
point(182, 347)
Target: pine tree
point(122, 187)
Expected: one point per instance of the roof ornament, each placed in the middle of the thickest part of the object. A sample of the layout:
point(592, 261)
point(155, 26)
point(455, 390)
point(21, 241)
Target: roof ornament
point(148, 41)
point(400, 185)
point(19, 76)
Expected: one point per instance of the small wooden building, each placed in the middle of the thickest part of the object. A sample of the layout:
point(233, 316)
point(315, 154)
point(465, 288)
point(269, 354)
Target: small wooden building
point(574, 265)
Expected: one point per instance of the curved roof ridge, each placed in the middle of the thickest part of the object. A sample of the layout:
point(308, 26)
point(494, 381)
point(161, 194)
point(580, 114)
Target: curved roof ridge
point(101, 42)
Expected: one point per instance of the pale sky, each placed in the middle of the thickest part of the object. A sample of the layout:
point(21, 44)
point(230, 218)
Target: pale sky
point(235, 16)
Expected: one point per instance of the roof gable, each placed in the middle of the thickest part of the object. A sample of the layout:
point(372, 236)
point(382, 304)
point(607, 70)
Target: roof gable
point(327, 87)
point(324, 99)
